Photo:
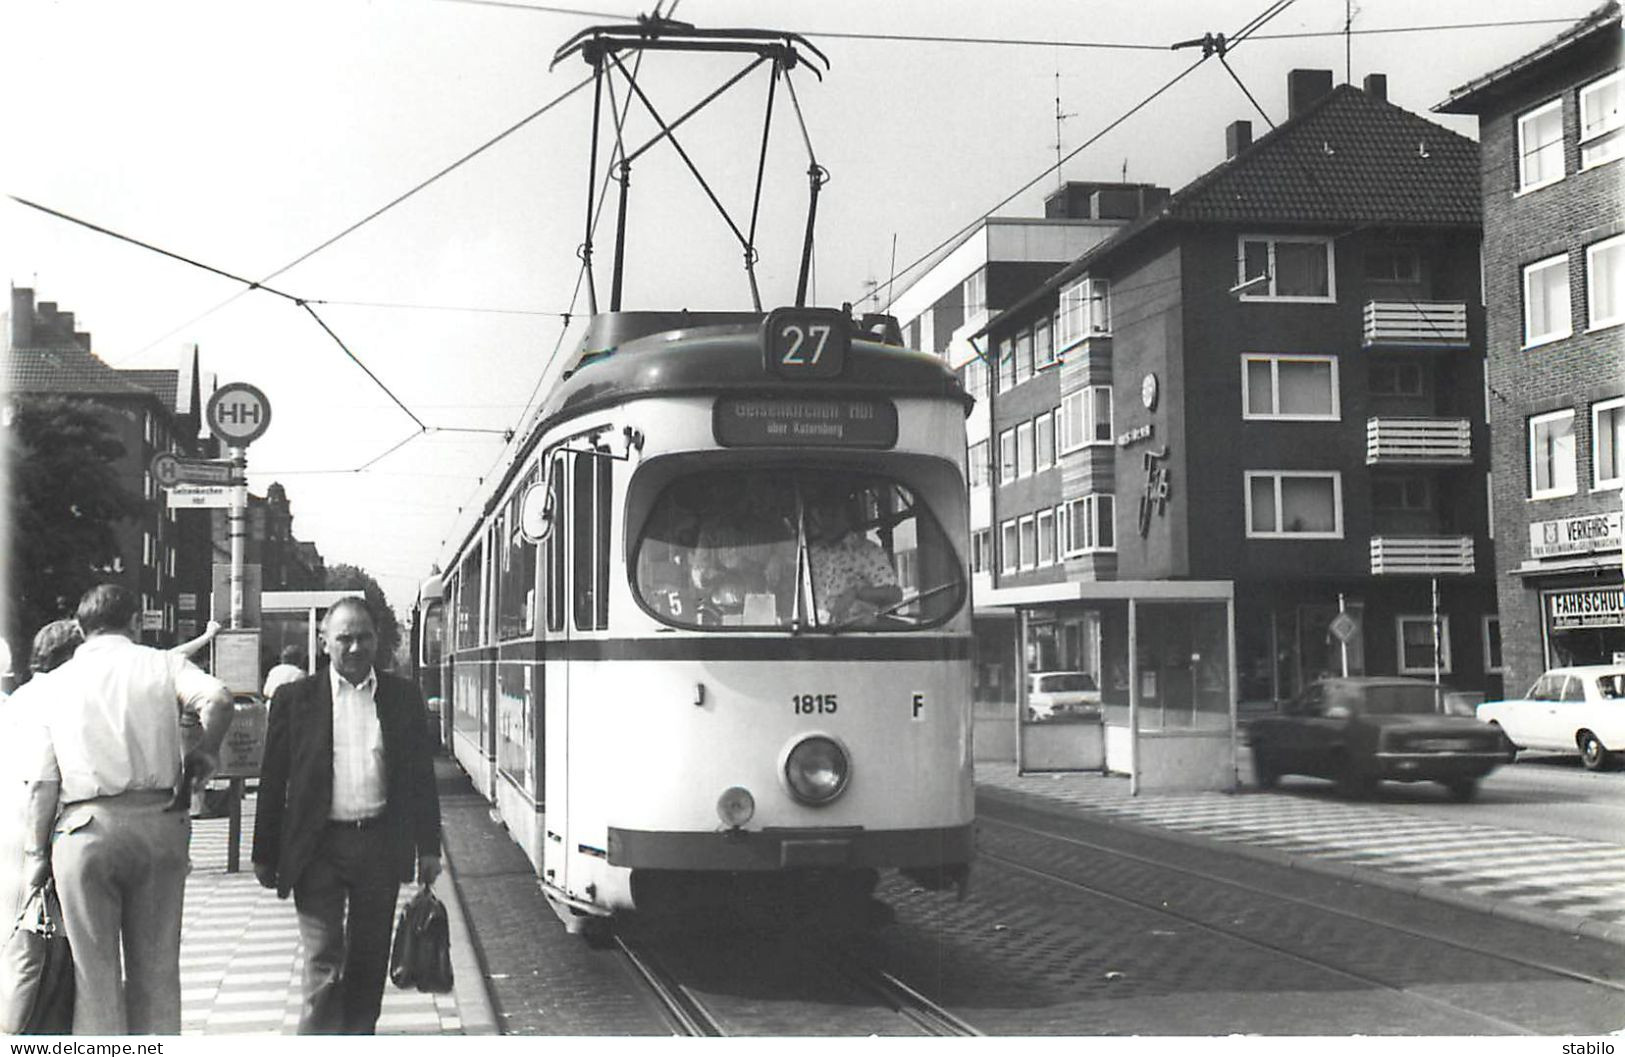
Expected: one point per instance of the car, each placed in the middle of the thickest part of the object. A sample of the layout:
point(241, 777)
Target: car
point(1051, 695)
point(1361, 730)
point(1575, 709)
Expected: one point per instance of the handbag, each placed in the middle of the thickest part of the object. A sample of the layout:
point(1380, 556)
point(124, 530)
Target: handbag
point(420, 957)
point(36, 969)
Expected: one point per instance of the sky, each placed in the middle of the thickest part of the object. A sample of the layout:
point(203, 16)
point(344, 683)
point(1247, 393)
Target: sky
point(244, 135)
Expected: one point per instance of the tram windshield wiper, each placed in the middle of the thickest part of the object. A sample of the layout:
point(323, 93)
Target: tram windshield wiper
point(906, 600)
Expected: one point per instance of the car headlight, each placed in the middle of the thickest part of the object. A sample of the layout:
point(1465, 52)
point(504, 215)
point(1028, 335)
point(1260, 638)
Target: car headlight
point(817, 770)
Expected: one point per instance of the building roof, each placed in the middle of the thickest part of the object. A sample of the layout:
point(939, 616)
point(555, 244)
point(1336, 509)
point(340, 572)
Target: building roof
point(1470, 97)
point(69, 372)
point(166, 384)
point(1350, 160)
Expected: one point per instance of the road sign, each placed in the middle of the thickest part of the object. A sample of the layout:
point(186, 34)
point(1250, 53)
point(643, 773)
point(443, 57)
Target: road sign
point(165, 469)
point(238, 413)
point(1344, 627)
point(171, 470)
point(193, 496)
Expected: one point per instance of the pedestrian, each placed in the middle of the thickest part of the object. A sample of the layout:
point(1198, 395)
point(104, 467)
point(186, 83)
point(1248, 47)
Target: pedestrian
point(291, 667)
point(347, 810)
point(190, 647)
point(107, 761)
point(53, 644)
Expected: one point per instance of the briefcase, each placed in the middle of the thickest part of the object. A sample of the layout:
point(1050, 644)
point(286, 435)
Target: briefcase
point(420, 957)
point(36, 969)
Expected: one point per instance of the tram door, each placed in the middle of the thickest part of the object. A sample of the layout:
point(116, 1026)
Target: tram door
point(553, 687)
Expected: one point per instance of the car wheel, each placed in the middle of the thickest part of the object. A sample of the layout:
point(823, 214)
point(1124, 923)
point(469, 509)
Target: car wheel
point(1462, 789)
point(1512, 749)
point(1266, 772)
point(1593, 754)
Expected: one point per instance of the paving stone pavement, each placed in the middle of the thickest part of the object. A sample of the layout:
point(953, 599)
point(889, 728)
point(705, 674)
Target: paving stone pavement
point(241, 958)
point(1558, 881)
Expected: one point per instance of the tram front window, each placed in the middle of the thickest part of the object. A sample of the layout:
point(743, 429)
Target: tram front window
point(796, 549)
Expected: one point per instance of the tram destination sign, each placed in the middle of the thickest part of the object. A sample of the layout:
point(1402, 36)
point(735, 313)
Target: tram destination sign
point(813, 422)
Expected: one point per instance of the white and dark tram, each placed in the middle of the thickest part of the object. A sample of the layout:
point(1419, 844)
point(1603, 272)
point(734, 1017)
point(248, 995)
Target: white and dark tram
point(711, 639)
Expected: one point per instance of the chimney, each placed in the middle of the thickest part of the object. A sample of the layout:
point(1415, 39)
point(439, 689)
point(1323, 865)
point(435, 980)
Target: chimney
point(1376, 86)
point(1238, 136)
point(22, 317)
point(1304, 88)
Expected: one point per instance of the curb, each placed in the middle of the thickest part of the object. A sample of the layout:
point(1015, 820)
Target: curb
point(474, 1007)
point(1557, 920)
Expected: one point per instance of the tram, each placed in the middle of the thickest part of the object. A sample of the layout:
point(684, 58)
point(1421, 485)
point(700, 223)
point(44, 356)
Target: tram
point(711, 639)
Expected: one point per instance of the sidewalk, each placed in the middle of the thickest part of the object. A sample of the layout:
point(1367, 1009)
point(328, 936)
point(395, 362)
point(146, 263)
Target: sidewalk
point(1556, 882)
point(241, 958)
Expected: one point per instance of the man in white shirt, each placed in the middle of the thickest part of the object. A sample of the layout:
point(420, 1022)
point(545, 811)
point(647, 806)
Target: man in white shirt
point(291, 667)
point(106, 761)
point(347, 811)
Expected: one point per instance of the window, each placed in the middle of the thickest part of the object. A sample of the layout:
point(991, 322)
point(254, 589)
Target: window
point(1090, 523)
point(788, 547)
point(1290, 387)
point(1600, 123)
point(1029, 543)
point(1492, 645)
point(1551, 455)
point(516, 577)
point(1007, 456)
point(1393, 264)
point(146, 486)
point(1024, 450)
point(468, 601)
point(974, 376)
point(1546, 301)
point(1086, 417)
point(1085, 311)
point(1043, 344)
point(1046, 537)
point(1397, 378)
point(1287, 269)
point(981, 550)
point(1410, 492)
point(1607, 443)
point(1285, 504)
point(1009, 548)
point(553, 546)
point(1044, 438)
point(981, 469)
point(1540, 146)
point(146, 548)
point(1416, 644)
point(975, 292)
point(1605, 283)
point(1024, 356)
point(1007, 364)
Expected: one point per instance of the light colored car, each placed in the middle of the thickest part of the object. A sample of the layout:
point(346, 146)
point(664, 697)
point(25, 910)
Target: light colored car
point(1580, 709)
point(1051, 695)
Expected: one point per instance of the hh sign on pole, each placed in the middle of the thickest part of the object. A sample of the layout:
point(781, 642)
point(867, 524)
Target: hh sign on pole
point(238, 414)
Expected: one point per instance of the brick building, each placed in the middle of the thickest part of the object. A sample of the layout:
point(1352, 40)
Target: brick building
point(1274, 380)
point(1552, 134)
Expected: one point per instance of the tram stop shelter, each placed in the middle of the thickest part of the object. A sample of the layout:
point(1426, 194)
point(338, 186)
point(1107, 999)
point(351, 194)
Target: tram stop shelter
point(1127, 677)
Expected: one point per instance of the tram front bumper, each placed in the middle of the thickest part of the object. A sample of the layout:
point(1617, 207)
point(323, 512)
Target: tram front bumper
point(785, 848)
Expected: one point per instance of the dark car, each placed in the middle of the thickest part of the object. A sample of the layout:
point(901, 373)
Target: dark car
point(1359, 731)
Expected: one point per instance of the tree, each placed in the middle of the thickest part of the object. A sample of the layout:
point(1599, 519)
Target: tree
point(356, 579)
point(66, 500)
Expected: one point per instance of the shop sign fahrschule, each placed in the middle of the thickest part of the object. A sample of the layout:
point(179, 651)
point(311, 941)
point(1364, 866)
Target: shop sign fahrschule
point(1589, 534)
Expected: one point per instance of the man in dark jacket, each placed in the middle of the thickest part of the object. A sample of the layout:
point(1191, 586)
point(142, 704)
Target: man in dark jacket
point(347, 811)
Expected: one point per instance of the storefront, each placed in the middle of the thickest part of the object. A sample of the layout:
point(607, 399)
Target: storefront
point(1575, 572)
point(1133, 678)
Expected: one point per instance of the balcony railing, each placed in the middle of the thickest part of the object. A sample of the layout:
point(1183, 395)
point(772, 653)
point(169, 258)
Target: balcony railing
point(1429, 324)
point(1421, 555)
point(1418, 440)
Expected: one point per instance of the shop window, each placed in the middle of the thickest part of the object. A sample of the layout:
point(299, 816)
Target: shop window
point(1605, 283)
point(1286, 269)
point(1546, 301)
point(1607, 444)
point(1540, 146)
point(1602, 129)
point(1295, 388)
point(1551, 455)
point(1294, 505)
point(1417, 652)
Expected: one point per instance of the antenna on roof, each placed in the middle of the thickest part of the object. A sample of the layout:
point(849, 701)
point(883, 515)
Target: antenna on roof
point(1059, 117)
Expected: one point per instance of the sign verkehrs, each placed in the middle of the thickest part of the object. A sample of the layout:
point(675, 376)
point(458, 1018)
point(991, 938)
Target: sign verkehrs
point(238, 414)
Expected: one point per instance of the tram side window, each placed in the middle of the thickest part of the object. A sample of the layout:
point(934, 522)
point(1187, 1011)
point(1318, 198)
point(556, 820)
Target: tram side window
point(555, 548)
point(592, 478)
point(516, 576)
point(468, 601)
point(795, 548)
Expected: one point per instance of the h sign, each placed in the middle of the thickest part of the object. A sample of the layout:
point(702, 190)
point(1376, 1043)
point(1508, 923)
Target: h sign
point(238, 413)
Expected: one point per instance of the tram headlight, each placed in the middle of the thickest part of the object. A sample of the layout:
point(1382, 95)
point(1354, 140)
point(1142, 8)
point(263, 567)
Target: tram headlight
point(736, 806)
point(817, 770)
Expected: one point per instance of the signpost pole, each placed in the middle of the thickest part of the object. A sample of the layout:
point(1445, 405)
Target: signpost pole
point(238, 531)
point(1343, 640)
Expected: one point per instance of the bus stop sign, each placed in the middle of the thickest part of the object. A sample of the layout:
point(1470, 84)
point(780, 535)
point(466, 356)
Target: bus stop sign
point(238, 414)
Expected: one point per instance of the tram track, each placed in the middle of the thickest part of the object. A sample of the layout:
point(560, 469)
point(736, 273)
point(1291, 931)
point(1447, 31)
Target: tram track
point(1249, 933)
point(686, 1013)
